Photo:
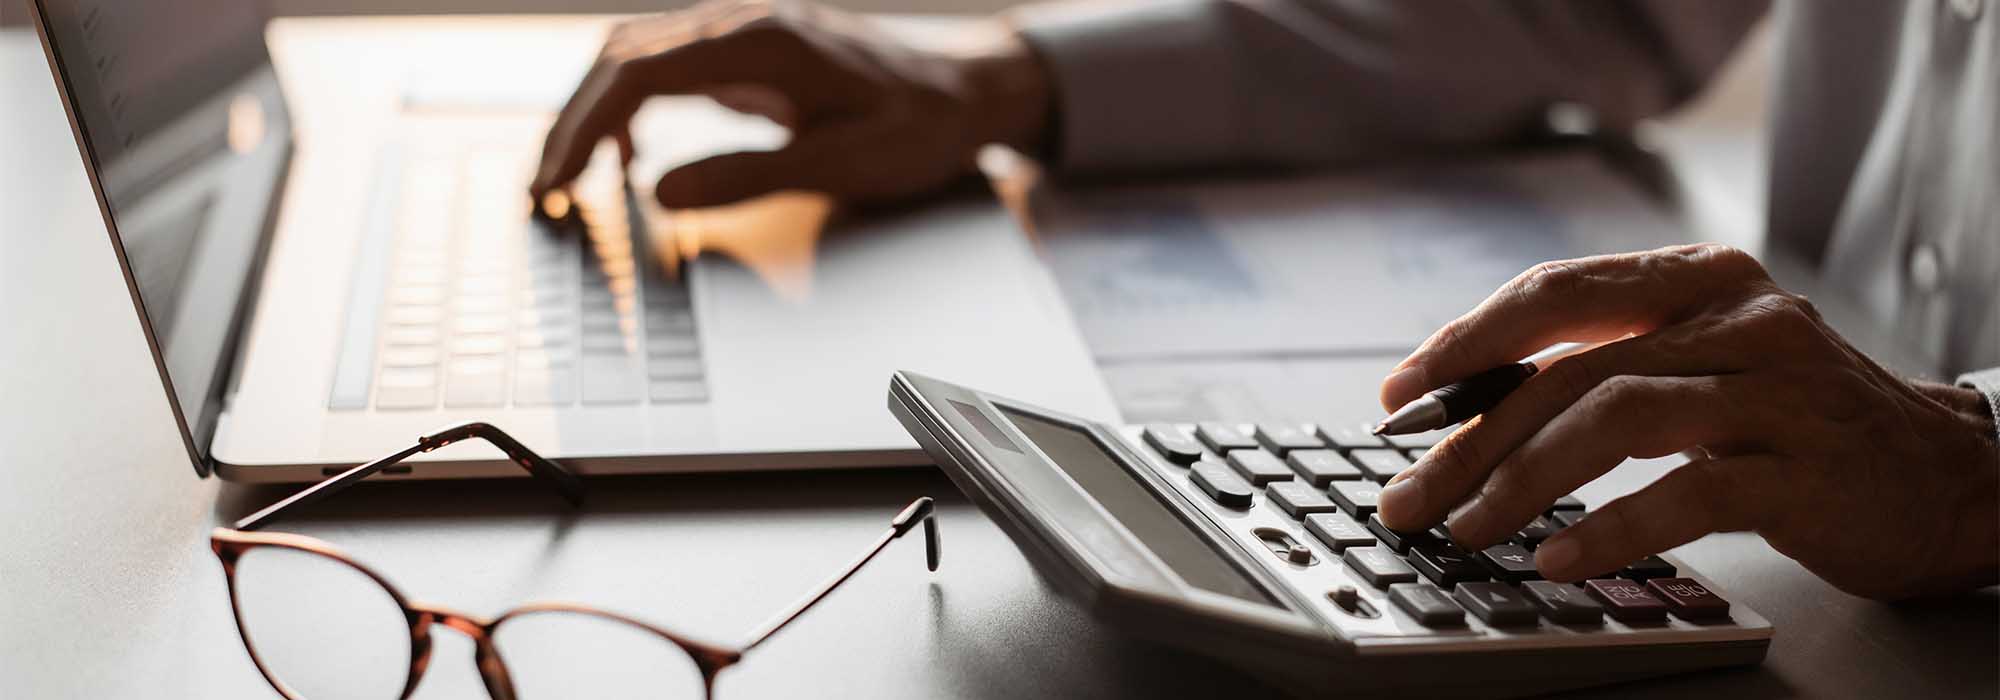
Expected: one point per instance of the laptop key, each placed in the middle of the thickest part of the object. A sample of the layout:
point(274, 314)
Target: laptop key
point(1563, 603)
point(1626, 601)
point(1282, 438)
point(1537, 530)
point(677, 390)
point(1258, 466)
point(1510, 562)
point(1348, 436)
point(1397, 540)
point(1380, 465)
point(1688, 599)
point(1378, 566)
point(1567, 518)
point(1338, 531)
point(608, 379)
point(1496, 604)
point(1322, 467)
point(1223, 437)
point(1430, 606)
point(1355, 498)
point(1299, 499)
point(544, 387)
point(1220, 484)
point(1446, 565)
point(1172, 444)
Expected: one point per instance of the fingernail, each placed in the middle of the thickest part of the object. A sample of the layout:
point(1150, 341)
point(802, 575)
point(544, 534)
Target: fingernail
point(1400, 501)
point(1558, 555)
point(1402, 385)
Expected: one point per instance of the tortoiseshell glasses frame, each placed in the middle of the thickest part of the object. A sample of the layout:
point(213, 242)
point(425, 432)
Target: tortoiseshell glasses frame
point(710, 659)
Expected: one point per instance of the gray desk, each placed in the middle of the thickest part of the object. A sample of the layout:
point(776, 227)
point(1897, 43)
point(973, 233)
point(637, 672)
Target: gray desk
point(107, 589)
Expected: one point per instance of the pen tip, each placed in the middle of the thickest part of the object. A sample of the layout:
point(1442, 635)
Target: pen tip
point(1380, 428)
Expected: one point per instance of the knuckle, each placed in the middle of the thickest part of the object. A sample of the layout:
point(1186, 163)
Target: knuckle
point(1727, 259)
point(1556, 278)
point(1572, 377)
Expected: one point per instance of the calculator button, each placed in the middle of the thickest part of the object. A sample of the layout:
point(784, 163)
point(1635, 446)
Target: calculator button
point(1446, 565)
point(1688, 599)
point(1223, 437)
point(1625, 600)
point(1647, 569)
point(1419, 441)
point(1220, 484)
point(1356, 498)
point(1567, 503)
point(1258, 466)
point(1338, 532)
point(1173, 444)
point(1378, 566)
point(1281, 439)
point(1380, 464)
point(1498, 604)
point(1563, 603)
point(1396, 540)
point(1348, 436)
point(1430, 606)
point(1299, 499)
point(1537, 530)
point(1510, 562)
point(1321, 467)
point(1567, 518)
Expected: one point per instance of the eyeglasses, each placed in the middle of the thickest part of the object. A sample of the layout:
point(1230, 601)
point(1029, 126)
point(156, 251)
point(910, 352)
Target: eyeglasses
point(321, 626)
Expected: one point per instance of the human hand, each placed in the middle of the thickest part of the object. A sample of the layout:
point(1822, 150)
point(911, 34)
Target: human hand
point(1884, 487)
point(871, 119)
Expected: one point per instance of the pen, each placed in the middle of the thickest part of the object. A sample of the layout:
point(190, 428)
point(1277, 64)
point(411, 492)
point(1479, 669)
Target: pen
point(1479, 393)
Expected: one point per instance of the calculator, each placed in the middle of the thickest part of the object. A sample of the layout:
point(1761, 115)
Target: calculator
point(1259, 545)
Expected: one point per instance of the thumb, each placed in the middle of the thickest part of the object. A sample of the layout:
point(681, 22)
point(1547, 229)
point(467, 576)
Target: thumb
point(734, 177)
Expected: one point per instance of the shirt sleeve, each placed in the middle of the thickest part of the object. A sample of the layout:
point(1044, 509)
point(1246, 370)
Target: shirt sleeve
point(1986, 382)
point(1183, 83)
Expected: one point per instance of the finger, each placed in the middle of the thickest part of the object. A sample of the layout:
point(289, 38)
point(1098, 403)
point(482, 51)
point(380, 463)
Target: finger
point(734, 177)
point(1698, 498)
point(1587, 299)
point(626, 152)
point(1624, 417)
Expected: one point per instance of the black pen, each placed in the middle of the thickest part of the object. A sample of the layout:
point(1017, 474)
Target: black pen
point(1460, 401)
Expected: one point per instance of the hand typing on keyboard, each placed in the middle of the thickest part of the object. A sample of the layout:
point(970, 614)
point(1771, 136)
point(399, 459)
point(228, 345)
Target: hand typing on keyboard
point(1886, 487)
point(871, 118)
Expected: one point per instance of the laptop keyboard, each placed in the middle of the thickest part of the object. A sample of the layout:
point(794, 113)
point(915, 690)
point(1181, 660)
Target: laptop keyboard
point(462, 301)
point(1327, 479)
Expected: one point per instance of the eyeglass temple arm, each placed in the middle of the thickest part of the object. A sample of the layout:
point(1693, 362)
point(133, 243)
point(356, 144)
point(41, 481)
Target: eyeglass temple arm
point(565, 482)
point(921, 510)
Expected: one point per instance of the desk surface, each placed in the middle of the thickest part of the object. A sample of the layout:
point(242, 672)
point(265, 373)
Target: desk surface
point(107, 588)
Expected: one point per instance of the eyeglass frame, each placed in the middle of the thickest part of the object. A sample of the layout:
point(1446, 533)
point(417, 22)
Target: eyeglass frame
point(231, 543)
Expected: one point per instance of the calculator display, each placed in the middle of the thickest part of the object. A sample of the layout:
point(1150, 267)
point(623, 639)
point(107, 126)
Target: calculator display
point(1117, 489)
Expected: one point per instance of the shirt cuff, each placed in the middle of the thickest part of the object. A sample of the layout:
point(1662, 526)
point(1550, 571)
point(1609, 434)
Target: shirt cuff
point(1137, 85)
point(1986, 381)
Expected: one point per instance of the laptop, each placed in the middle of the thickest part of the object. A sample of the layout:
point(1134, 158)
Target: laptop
point(326, 270)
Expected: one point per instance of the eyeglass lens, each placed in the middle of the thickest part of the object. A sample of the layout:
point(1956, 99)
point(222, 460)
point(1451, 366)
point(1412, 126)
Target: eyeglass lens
point(320, 627)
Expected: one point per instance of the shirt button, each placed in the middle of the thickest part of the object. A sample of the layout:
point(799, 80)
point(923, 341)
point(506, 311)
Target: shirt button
point(1967, 10)
point(1926, 269)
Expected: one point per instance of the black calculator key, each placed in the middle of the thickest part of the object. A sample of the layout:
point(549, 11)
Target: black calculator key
point(1378, 566)
point(1380, 464)
point(1338, 531)
point(1625, 600)
point(1446, 565)
point(1419, 441)
point(1498, 604)
point(1563, 603)
point(1567, 518)
point(1220, 484)
point(1356, 498)
point(1348, 436)
point(1430, 606)
point(1173, 444)
point(1320, 467)
point(1567, 503)
point(1223, 437)
point(1512, 563)
point(1281, 438)
point(1537, 530)
point(1397, 540)
point(1299, 499)
point(1647, 569)
point(1258, 466)
point(1688, 599)
point(1441, 532)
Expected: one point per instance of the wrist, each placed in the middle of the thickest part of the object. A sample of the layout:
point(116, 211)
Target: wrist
point(1007, 86)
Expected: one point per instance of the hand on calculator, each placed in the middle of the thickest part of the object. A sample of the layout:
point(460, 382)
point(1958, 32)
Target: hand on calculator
point(1885, 487)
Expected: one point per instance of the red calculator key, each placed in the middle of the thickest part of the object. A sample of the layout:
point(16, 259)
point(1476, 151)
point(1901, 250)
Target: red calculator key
point(1626, 601)
point(1688, 599)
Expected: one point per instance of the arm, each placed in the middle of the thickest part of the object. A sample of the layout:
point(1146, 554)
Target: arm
point(1260, 82)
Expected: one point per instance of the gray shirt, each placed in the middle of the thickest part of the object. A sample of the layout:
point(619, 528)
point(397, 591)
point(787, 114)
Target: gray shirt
point(1884, 174)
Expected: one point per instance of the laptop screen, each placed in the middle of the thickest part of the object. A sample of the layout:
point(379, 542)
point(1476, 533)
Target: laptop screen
point(179, 119)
